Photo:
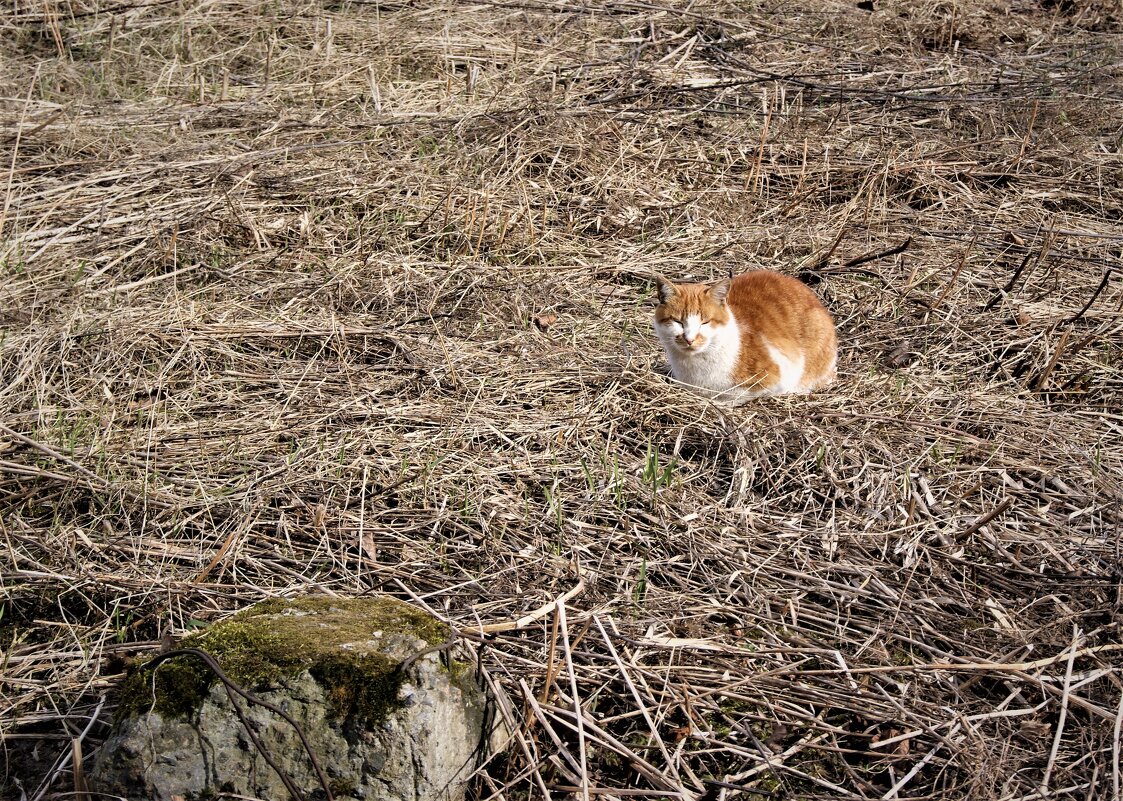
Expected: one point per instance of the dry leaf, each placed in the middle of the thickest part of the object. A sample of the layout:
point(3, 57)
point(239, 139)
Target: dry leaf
point(900, 356)
point(544, 321)
point(368, 546)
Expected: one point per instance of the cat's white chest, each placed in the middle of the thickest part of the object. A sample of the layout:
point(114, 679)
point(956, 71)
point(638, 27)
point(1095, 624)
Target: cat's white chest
point(710, 371)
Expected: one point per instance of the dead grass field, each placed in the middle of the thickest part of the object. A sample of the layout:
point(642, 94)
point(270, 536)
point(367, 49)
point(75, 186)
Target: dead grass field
point(354, 297)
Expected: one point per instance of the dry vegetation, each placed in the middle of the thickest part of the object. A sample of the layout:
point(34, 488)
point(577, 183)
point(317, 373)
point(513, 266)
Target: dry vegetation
point(353, 297)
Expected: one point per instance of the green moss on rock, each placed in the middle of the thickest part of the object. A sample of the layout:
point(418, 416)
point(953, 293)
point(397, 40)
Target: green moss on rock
point(334, 639)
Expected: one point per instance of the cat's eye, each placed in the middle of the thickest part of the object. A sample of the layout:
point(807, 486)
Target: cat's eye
point(705, 322)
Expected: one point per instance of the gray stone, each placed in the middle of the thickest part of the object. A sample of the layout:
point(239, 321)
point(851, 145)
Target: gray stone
point(380, 734)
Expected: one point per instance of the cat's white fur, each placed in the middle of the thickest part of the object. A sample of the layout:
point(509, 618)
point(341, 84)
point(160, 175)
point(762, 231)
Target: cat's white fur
point(791, 370)
point(709, 367)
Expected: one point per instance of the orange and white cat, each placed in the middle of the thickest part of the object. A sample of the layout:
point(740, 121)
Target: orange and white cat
point(761, 333)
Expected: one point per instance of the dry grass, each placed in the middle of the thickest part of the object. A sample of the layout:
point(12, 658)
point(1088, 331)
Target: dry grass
point(354, 297)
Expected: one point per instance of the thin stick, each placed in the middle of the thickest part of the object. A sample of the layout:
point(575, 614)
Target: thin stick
point(1091, 300)
point(68, 756)
point(527, 619)
point(636, 697)
point(969, 667)
point(15, 150)
point(1061, 718)
point(602, 738)
point(893, 791)
point(576, 701)
point(544, 722)
point(504, 704)
point(551, 661)
point(1058, 351)
point(1117, 752)
point(881, 254)
point(81, 790)
point(954, 276)
point(1010, 284)
point(824, 259)
point(984, 519)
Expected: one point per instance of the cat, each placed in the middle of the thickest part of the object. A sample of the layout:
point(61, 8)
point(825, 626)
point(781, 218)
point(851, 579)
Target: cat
point(761, 333)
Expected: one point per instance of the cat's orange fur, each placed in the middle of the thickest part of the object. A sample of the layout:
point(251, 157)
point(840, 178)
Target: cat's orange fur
point(761, 333)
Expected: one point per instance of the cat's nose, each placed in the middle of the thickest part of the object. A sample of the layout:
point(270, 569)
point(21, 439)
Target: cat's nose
point(689, 340)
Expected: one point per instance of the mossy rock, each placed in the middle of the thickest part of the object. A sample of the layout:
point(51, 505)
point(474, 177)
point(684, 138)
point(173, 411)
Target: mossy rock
point(342, 642)
point(335, 666)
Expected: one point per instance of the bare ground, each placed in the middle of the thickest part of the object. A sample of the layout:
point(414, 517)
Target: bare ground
point(353, 297)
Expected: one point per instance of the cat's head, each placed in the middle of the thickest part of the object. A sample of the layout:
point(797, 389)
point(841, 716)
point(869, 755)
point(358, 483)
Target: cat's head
point(690, 315)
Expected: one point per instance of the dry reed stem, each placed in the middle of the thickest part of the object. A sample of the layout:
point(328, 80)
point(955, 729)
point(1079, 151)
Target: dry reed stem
point(354, 297)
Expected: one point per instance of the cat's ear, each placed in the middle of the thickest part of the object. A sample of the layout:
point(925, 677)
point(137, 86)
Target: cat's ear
point(719, 290)
point(666, 289)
